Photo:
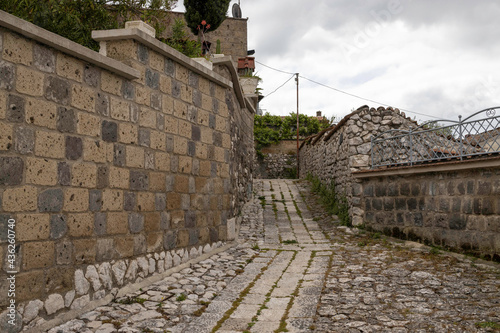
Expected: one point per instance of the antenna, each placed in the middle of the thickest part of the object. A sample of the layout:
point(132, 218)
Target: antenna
point(236, 10)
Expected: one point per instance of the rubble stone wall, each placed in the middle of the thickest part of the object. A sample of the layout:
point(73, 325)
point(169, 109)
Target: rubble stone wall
point(111, 179)
point(278, 162)
point(337, 152)
point(458, 209)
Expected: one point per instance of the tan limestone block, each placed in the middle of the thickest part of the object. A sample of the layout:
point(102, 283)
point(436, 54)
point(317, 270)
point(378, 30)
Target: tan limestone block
point(204, 235)
point(146, 201)
point(84, 175)
point(165, 84)
point(201, 220)
point(69, 67)
point(88, 124)
point(6, 135)
point(180, 145)
point(147, 117)
point(41, 171)
point(224, 173)
point(135, 157)
point(205, 168)
point(201, 150)
point(95, 150)
point(41, 113)
point(117, 223)
point(220, 94)
point(3, 104)
point(162, 161)
point(142, 95)
point(181, 73)
point(28, 286)
point(83, 98)
point(218, 186)
point(187, 93)
point(151, 221)
point(173, 201)
point(202, 185)
point(219, 154)
point(204, 85)
point(119, 177)
point(207, 135)
point(167, 104)
point(223, 110)
point(81, 224)
point(111, 83)
point(226, 141)
point(177, 216)
point(206, 102)
point(185, 164)
point(112, 200)
point(171, 124)
point(181, 184)
point(38, 255)
point(76, 200)
point(214, 203)
point(156, 61)
point(222, 233)
point(142, 72)
point(128, 133)
point(29, 82)
point(185, 129)
point(122, 50)
point(158, 140)
point(124, 246)
point(220, 124)
point(154, 241)
point(182, 238)
point(31, 227)
point(203, 117)
point(17, 49)
point(180, 109)
point(85, 250)
point(198, 201)
point(157, 181)
point(120, 109)
point(49, 144)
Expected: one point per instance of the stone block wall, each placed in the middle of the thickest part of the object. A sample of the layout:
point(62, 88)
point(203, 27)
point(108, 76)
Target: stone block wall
point(337, 152)
point(446, 206)
point(279, 160)
point(232, 33)
point(114, 168)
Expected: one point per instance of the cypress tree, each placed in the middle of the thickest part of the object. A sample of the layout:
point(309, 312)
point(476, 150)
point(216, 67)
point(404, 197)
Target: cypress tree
point(213, 12)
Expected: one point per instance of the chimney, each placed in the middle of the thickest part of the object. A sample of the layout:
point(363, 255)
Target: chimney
point(318, 113)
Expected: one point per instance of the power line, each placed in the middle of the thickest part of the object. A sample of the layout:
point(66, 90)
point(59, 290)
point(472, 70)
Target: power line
point(280, 86)
point(343, 92)
point(275, 69)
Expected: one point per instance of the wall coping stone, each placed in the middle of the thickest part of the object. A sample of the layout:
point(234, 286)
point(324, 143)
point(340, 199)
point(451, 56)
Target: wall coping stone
point(228, 62)
point(65, 45)
point(162, 48)
point(492, 162)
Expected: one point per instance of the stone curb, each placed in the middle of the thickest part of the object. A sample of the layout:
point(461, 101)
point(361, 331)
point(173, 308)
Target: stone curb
point(73, 314)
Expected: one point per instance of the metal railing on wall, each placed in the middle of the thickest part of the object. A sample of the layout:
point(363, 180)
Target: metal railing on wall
point(439, 140)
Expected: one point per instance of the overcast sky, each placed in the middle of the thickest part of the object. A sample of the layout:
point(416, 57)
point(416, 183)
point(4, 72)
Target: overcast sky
point(436, 57)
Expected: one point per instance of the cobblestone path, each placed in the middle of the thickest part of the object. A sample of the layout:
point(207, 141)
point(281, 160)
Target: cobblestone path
point(295, 269)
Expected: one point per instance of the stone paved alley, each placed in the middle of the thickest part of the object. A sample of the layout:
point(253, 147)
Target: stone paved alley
point(293, 270)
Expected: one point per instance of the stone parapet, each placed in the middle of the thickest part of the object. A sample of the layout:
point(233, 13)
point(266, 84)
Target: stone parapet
point(107, 161)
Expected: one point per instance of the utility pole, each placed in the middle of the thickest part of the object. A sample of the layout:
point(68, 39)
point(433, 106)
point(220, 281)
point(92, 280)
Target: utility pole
point(297, 80)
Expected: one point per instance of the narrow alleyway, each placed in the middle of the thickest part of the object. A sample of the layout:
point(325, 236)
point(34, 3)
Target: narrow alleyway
point(296, 270)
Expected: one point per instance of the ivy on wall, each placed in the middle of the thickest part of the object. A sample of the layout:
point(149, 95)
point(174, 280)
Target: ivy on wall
point(270, 129)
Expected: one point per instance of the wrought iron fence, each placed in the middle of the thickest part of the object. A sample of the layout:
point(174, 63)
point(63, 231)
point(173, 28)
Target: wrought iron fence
point(439, 140)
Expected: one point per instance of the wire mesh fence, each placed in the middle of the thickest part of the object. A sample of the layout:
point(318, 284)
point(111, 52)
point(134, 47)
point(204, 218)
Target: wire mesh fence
point(439, 140)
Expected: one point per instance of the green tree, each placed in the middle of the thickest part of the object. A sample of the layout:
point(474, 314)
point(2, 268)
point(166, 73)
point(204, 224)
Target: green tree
point(213, 12)
point(181, 42)
point(75, 19)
